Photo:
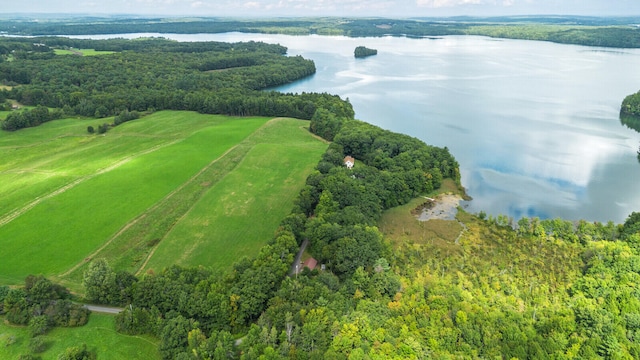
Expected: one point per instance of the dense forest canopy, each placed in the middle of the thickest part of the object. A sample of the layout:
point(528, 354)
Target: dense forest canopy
point(591, 31)
point(152, 74)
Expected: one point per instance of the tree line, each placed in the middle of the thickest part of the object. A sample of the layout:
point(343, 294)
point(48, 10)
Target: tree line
point(212, 78)
point(589, 31)
point(30, 117)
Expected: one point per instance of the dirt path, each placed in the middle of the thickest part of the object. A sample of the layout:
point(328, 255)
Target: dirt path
point(104, 309)
point(296, 262)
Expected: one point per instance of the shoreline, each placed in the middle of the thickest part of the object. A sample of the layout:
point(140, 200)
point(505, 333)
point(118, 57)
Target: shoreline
point(445, 207)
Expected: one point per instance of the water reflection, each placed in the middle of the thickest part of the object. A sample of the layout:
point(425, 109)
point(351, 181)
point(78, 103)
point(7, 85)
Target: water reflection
point(630, 121)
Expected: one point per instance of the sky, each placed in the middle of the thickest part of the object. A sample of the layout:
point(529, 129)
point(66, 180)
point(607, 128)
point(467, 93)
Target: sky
point(346, 8)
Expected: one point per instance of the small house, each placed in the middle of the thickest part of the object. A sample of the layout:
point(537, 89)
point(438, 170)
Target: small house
point(349, 161)
point(310, 263)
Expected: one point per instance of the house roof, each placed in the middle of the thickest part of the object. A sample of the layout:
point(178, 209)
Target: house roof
point(350, 159)
point(310, 263)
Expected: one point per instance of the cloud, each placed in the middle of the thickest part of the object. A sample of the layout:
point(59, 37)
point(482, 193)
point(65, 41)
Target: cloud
point(251, 5)
point(447, 3)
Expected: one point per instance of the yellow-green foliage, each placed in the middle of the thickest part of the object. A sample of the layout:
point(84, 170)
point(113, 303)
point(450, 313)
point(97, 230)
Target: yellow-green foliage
point(500, 294)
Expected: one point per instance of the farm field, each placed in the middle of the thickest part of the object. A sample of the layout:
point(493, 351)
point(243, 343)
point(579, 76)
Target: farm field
point(258, 193)
point(70, 195)
point(81, 52)
point(98, 334)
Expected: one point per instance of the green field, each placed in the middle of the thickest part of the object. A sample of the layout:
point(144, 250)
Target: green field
point(69, 196)
point(98, 334)
point(81, 52)
point(236, 216)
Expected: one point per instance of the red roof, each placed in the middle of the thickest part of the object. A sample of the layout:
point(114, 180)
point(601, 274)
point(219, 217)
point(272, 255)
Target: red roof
point(310, 263)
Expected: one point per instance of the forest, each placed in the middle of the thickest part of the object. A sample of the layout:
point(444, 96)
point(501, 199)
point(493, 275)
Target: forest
point(480, 287)
point(151, 75)
point(607, 32)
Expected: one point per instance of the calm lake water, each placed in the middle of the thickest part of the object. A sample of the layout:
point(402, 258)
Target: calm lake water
point(534, 125)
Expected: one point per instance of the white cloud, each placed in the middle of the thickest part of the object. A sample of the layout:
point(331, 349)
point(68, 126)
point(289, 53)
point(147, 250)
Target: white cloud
point(447, 3)
point(252, 5)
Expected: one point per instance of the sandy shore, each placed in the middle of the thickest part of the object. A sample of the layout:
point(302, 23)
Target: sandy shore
point(445, 207)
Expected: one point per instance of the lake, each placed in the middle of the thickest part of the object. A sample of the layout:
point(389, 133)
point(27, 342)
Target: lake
point(534, 125)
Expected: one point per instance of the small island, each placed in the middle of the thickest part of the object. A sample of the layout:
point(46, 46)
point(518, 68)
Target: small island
point(630, 111)
point(361, 52)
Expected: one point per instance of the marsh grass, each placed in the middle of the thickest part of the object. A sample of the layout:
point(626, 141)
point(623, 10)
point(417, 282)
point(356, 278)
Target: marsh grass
point(400, 224)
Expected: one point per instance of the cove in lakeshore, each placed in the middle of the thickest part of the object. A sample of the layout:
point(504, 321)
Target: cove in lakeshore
point(534, 125)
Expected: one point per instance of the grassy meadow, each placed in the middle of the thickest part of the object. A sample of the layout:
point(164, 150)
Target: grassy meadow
point(237, 215)
point(98, 334)
point(81, 52)
point(69, 196)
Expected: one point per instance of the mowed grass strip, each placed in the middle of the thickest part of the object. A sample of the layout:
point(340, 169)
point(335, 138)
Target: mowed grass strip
point(99, 334)
point(241, 212)
point(61, 231)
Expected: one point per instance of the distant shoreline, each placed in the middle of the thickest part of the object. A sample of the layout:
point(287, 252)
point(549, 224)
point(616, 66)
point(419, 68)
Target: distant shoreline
point(611, 32)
